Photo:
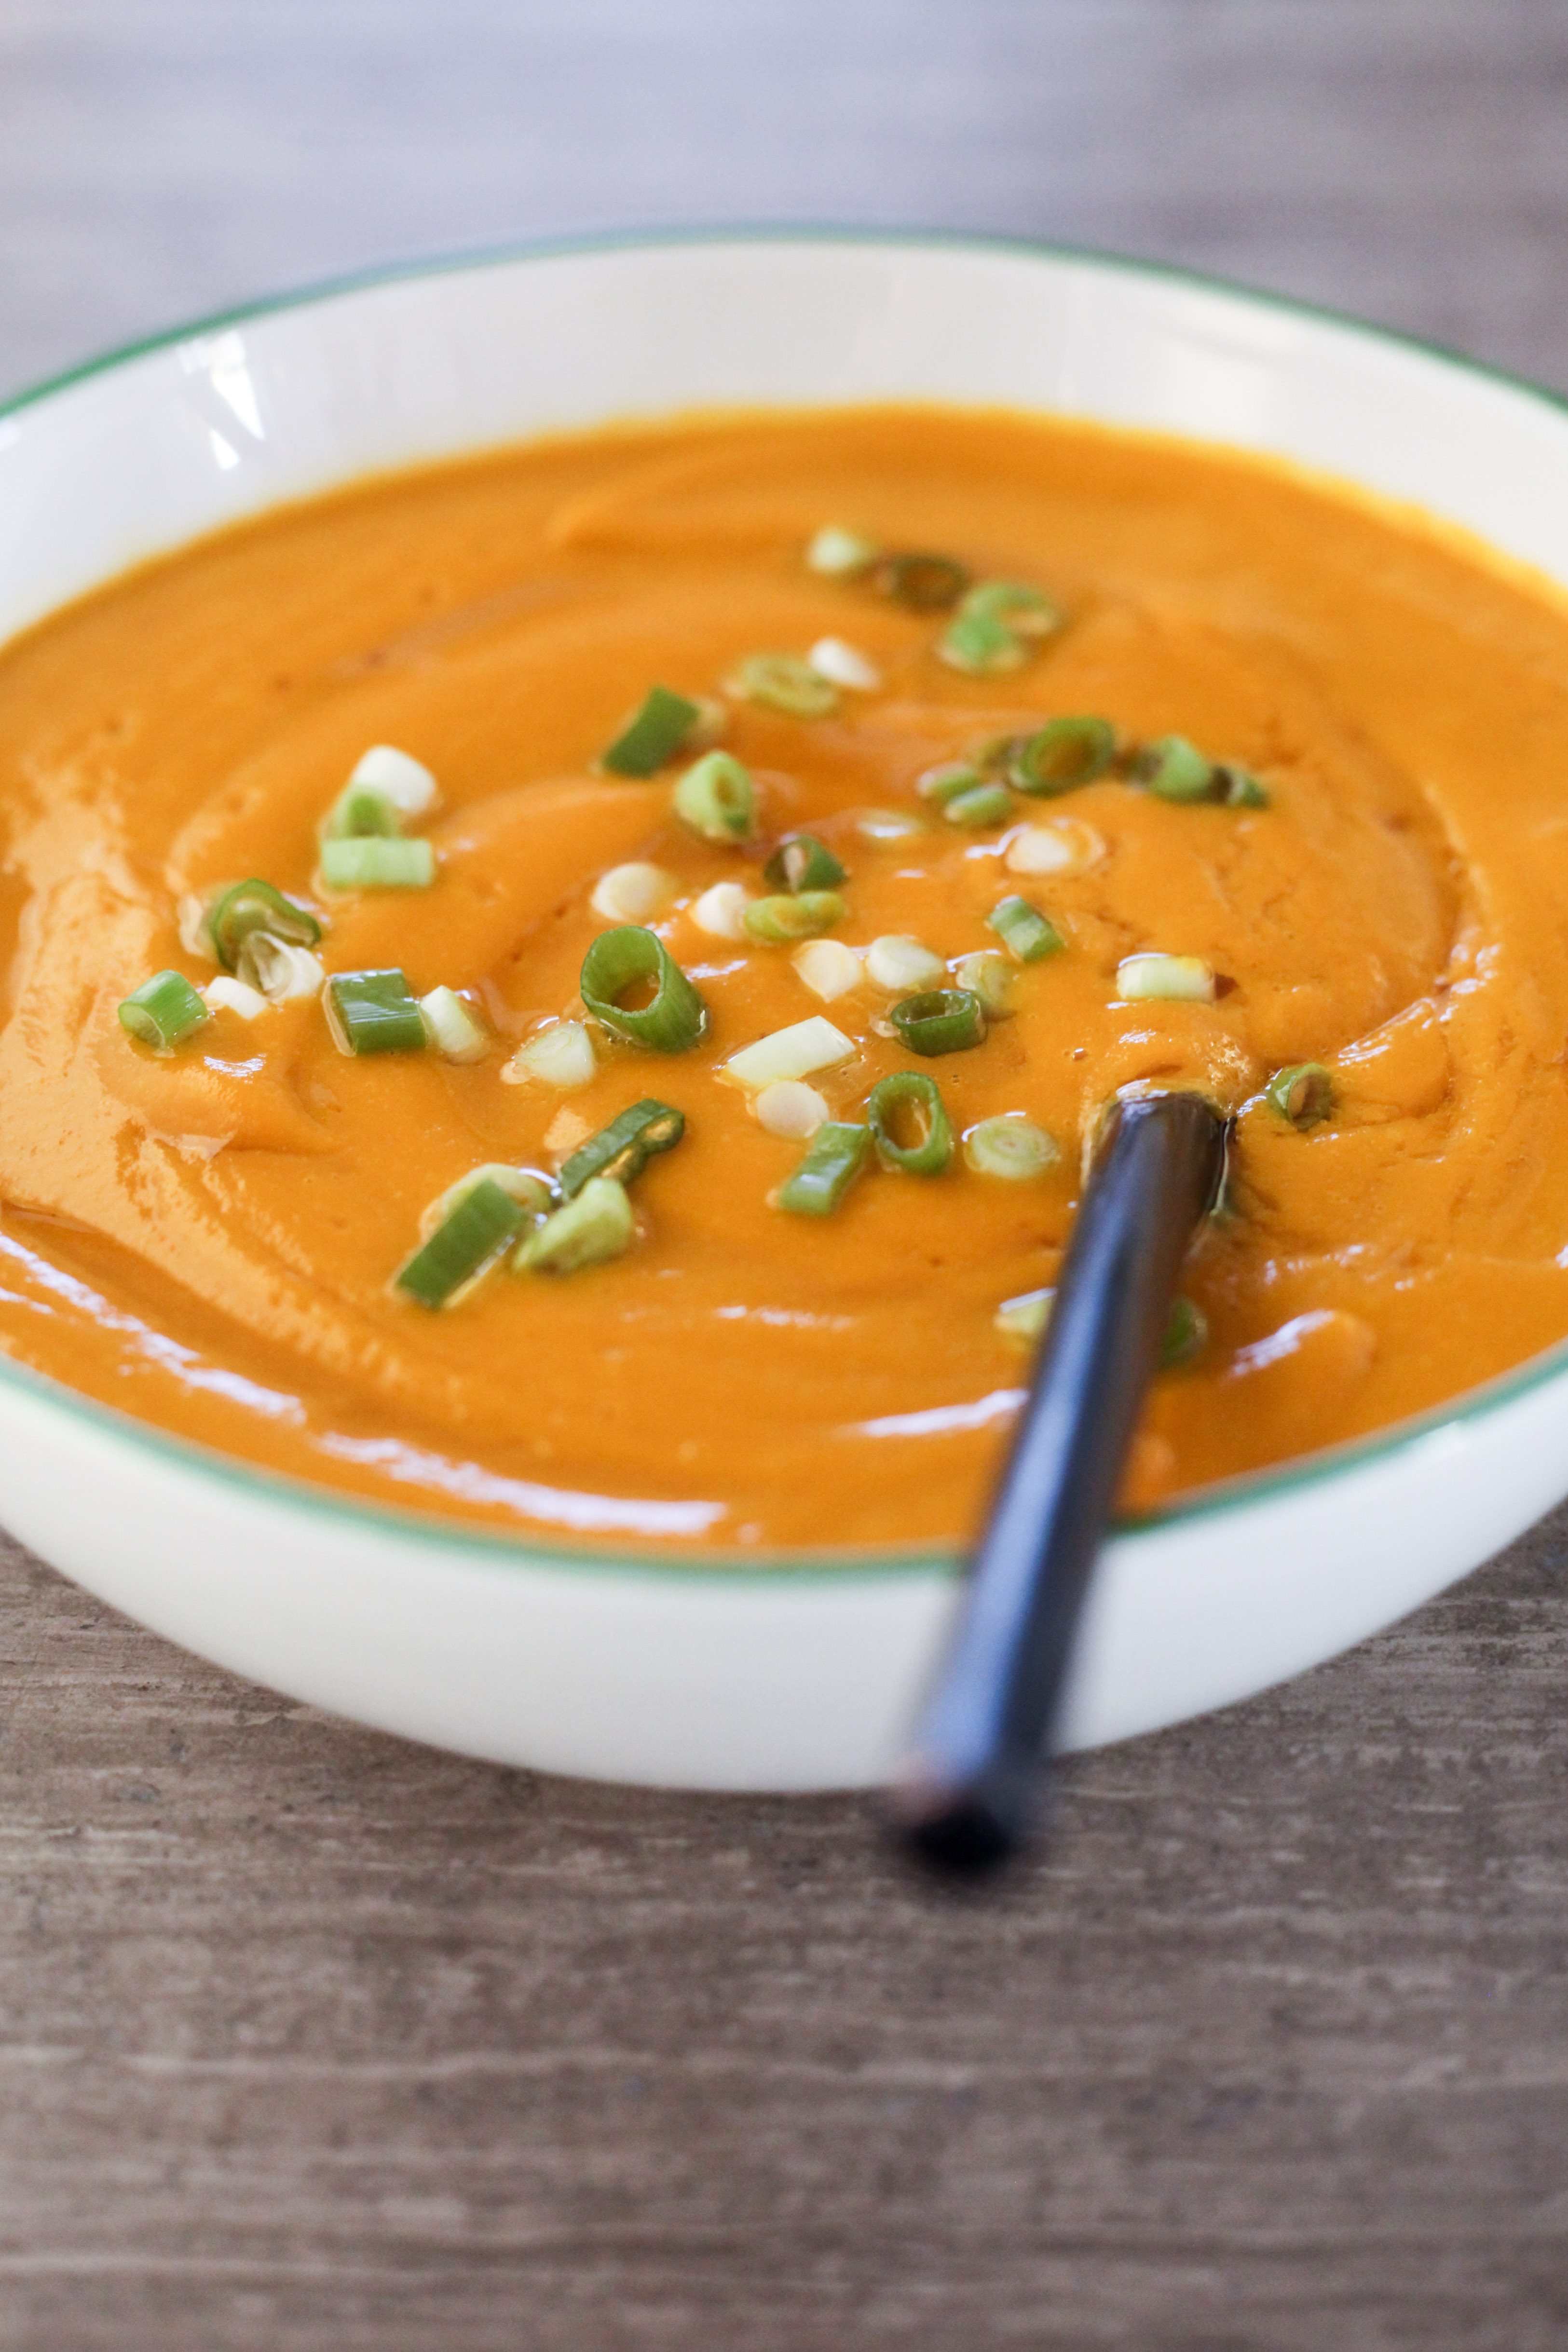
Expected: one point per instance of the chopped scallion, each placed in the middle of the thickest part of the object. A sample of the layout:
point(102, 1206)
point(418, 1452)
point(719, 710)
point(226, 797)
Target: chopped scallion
point(374, 1013)
point(780, 921)
point(722, 910)
point(843, 663)
point(981, 807)
point(1238, 788)
point(163, 1011)
point(798, 1051)
point(224, 994)
point(802, 863)
point(838, 553)
point(1061, 846)
point(900, 964)
point(277, 970)
point(1024, 931)
point(981, 646)
point(633, 893)
point(828, 967)
point(1303, 1093)
point(790, 1108)
point(988, 975)
point(534, 1194)
point(256, 906)
point(1026, 1317)
point(453, 1027)
point(1061, 755)
point(406, 782)
point(563, 1055)
point(939, 1021)
point(1027, 610)
point(717, 798)
point(653, 735)
point(1186, 1333)
point(597, 1224)
point(831, 1161)
point(925, 583)
point(1174, 769)
point(1012, 1147)
point(947, 780)
point(785, 683)
point(1176, 978)
point(674, 1018)
point(624, 1148)
point(473, 1231)
point(376, 862)
point(904, 1099)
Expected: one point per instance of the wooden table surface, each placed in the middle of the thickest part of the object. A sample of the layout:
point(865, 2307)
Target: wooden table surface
point(312, 2042)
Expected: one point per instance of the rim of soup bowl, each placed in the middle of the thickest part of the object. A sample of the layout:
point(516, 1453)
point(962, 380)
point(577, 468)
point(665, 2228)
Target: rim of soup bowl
point(413, 1524)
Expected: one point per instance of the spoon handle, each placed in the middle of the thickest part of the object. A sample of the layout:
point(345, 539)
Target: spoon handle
point(965, 1794)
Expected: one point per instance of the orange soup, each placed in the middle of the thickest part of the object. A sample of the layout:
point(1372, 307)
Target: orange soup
point(570, 990)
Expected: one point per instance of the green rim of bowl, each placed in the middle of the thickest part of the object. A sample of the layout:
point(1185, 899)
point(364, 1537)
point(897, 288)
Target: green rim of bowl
point(426, 1528)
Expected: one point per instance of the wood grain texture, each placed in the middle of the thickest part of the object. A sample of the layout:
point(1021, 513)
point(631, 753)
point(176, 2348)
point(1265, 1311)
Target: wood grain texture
point(313, 2041)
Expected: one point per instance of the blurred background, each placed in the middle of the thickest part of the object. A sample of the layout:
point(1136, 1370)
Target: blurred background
point(1399, 158)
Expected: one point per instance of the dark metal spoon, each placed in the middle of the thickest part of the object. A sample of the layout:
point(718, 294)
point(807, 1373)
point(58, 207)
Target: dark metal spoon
point(965, 1795)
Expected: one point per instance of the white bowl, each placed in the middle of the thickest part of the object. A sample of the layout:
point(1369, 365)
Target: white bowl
point(798, 1673)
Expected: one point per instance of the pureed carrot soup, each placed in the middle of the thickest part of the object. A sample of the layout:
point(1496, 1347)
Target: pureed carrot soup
point(570, 990)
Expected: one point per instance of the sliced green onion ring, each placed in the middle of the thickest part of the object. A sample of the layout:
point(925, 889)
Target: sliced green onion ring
point(657, 730)
point(947, 780)
point(598, 1224)
point(453, 1027)
point(1186, 1333)
point(1174, 769)
point(377, 862)
point(1026, 1317)
point(256, 906)
point(1238, 788)
point(374, 1013)
point(1011, 1146)
point(829, 1165)
point(925, 583)
point(163, 1011)
point(982, 806)
point(981, 646)
point(836, 552)
point(1027, 610)
point(717, 798)
point(1302, 1095)
point(801, 863)
point(474, 1231)
point(1024, 931)
point(782, 921)
point(904, 1099)
point(624, 1148)
point(534, 1193)
point(987, 974)
point(786, 683)
point(1062, 755)
point(674, 1019)
point(939, 1021)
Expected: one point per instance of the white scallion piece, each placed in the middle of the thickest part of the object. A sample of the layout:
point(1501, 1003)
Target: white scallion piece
point(790, 1108)
point(846, 665)
point(903, 966)
point(1026, 1317)
point(632, 893)
point(1064, 845)
point(828, 967)
point(889, 825)
point(1179, 979)
point(192, 917)
point(838, 553)
point(563, 1055)
point(798, 1051)
point(453, 1027)
point(720, 911)
point(226, 995)
point(279, 968)
point(398, 777)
